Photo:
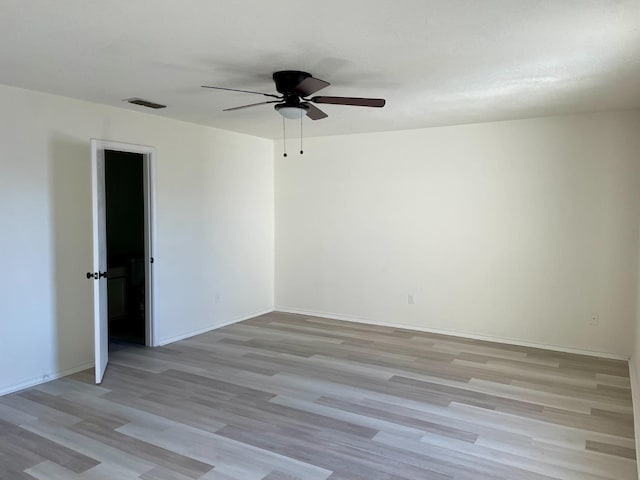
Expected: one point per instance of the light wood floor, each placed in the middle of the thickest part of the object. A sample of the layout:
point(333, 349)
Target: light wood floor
point(284, 397)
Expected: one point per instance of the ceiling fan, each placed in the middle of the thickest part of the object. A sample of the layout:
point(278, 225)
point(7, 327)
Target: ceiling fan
point(295, 87)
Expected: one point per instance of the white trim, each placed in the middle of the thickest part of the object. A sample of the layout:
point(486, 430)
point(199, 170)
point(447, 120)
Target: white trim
point(53, 376)
point(123, 147)
point(44, 379)
point(635, 398)
point(149, 162)
point(473, 336)
point(193, 333)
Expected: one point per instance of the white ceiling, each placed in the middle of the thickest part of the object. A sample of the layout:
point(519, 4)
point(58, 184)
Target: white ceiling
point(437, 62)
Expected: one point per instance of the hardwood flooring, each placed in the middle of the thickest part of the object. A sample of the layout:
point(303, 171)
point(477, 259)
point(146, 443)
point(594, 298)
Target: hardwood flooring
point(283, 397)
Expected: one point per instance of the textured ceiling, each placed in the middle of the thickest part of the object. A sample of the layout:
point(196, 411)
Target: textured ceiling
point(437, 62)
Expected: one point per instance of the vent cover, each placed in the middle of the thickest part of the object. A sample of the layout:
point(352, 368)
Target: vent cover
point(145, 103)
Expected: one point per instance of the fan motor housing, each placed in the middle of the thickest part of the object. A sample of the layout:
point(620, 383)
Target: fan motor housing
point(287, 80)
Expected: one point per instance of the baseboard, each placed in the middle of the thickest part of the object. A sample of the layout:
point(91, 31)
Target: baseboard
point(44, 379)
point(474, 336)
point(635, 398)
point(193, 333)
point(53, 376)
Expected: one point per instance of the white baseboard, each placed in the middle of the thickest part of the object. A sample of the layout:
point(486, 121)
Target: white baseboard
point(474, 336)
point(53, 376)
point(44, 379)
point(193, 333)
point(635, 397)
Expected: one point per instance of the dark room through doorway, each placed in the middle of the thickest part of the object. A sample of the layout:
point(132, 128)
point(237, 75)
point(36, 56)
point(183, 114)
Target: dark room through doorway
point(125, 217)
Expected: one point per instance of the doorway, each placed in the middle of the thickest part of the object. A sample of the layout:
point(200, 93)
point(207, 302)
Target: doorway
point(123, 226)
point(124, 210)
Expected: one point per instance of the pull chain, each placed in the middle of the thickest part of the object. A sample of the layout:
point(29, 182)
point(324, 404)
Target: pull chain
point(284, 137)
point(301, 151)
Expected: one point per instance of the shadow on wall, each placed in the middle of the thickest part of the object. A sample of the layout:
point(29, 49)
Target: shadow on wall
point(71, 220)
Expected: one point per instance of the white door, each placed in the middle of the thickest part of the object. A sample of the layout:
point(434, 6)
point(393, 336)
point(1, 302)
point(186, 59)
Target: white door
point(100, 314)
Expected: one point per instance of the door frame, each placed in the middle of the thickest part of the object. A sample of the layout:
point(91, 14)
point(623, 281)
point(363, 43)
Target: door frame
point(148, 164)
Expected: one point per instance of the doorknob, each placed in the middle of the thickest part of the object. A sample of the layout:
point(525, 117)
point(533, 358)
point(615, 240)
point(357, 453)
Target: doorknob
point(96, 275)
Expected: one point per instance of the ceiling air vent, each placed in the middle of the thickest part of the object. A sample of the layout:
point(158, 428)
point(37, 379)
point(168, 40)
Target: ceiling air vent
point(145, 103)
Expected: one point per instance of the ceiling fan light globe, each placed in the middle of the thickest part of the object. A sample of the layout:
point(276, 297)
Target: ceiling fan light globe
point(291, 113)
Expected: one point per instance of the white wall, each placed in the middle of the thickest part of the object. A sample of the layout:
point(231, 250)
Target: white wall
point(214, 228)
point(634, 369)
point(516, 230)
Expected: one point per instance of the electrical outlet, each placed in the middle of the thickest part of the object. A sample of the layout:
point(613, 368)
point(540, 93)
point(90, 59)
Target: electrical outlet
point(410, 299)
point(595, 320)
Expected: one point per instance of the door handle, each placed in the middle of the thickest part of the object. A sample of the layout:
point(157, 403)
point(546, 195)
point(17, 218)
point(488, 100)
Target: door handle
point(96, 275)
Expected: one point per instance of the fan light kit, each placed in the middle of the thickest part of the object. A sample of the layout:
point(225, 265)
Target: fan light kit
point(293, 103)
point(292, 113)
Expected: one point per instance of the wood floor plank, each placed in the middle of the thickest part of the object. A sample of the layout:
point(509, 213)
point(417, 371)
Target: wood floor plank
point(291, 397)
point(34, 446)
point(160, 456)
point(611, 449)
point(100, 451)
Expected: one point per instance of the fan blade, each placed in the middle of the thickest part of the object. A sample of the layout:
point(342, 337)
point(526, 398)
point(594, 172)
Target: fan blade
point(313, 112)
point(251, 105)
point(358, 102)
point(310, 85)
point(243, 91)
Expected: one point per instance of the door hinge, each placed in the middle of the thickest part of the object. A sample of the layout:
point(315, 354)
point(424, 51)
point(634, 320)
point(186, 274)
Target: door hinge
point(151, 260)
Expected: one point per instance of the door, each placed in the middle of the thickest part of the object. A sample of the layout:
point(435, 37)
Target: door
point(100, 316)
point(99, 273)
